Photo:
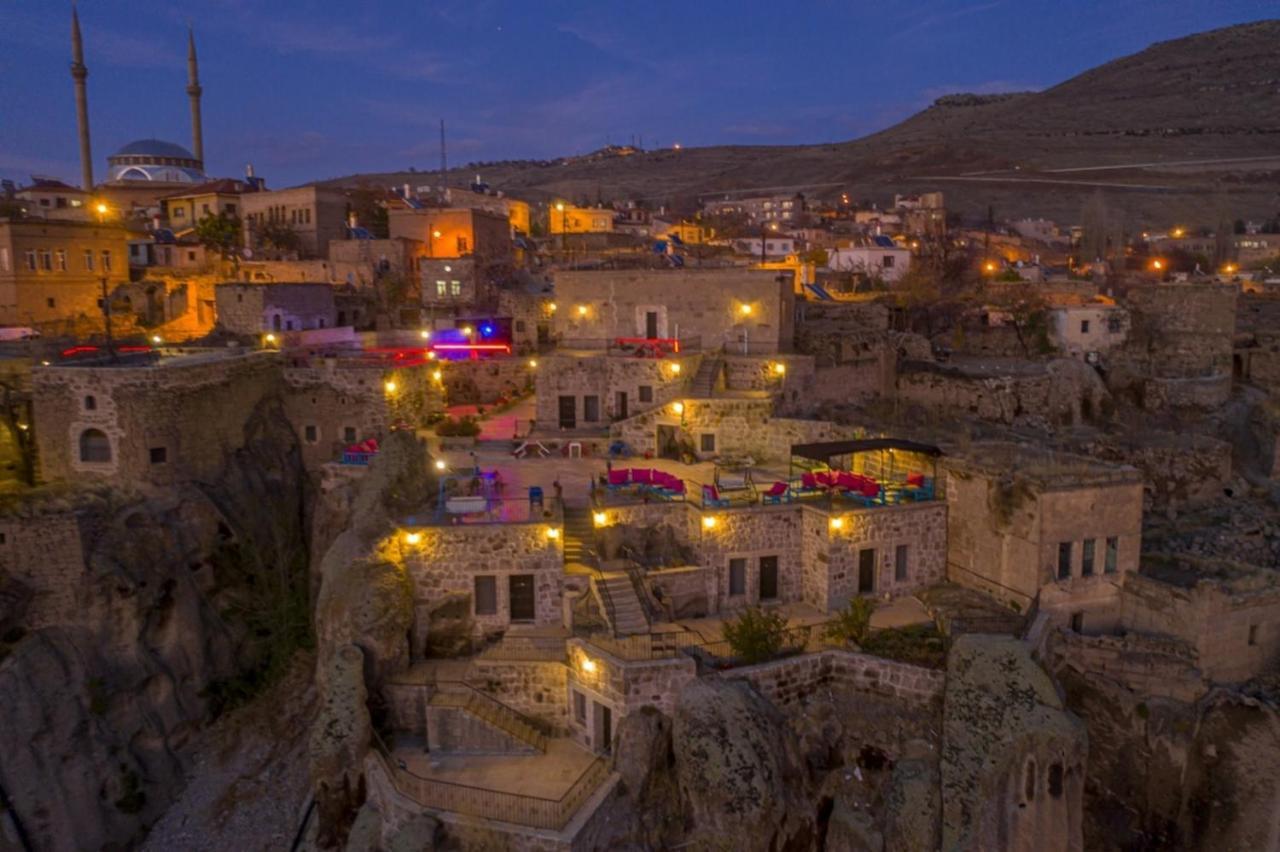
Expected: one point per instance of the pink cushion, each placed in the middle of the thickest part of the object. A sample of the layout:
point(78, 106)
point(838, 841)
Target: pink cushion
point(618, 477)
point(642, 475)
point(808, 480)
point(777, 489)
point(871, 488)
point(711, 491)
point(848, 481)
point(916, 479)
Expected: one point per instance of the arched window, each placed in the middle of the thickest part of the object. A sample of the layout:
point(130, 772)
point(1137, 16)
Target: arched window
point(90, 403)
point(95, 447)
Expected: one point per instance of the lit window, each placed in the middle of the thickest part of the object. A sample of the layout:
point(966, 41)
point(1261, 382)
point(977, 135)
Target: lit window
point(442, 288)
point(106, 260)
point(60, 259)
point(46, 260)
point(455, 288)
point(1112, 554)
point(88, 260)
point(29, 256)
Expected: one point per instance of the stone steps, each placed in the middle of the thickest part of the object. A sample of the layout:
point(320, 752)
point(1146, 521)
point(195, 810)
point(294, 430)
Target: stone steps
point(628, 616)
point(493, 713)
point(704, 383)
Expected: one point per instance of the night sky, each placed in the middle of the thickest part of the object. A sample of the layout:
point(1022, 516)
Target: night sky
point(309, 90)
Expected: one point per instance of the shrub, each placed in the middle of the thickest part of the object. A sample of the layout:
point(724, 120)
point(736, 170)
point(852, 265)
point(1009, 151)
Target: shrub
point(756, 635)
point(853, 623)
point(916, 644)
point(467, 427)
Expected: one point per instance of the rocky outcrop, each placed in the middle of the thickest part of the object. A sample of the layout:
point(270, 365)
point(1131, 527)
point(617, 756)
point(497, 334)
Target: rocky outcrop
point(97, 708)
point(912, 805)
point(739, 770)
point(1012, 758)
point(340, 738)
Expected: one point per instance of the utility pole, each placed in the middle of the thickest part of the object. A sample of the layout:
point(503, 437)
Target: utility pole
point(444, 163)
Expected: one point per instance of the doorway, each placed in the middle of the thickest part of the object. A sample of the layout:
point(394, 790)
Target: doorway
point(603, 734)
point(568, 412)
point(621, 407)
point(651, 324)
point(866, 572)
point(668, 443)
point(768, 578)
point(520, 587)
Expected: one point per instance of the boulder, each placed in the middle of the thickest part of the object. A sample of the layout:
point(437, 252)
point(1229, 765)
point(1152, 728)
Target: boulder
point(739, 770)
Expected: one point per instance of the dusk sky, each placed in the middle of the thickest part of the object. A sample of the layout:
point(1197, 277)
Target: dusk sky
point(305, 90)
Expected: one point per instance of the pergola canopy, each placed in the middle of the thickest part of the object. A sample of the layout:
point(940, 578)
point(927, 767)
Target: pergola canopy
point(824, 450)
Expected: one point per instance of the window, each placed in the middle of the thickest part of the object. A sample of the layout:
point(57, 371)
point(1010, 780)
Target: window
point(4, 259)
point(88, 260)
point(462, 245)
point(1084, 326)
point(1064, 560)
point(591, 409)
point(53, 303)
point(231, 209)
point(30, 257)
point(442, 288)
point(1113, 325)
point(95, 447)
point(737, 577)
point(204, 208)
point(349, 434)
point(46, 260)
point(579, 707)
point(486, 595)
point(159, 455)
point(646, 393)
point(90, 403)
point(106, 260)
point(60, 259)
point(1253, 634)
point(887, 263)
point(179, 212)
point(455, 288)
point(191, 255)
point(1113, 551)
point(1086, 557)
point(311, 433)
point(1077, 622)
point(1055, 780)
point(900, 564)
point(708, 442)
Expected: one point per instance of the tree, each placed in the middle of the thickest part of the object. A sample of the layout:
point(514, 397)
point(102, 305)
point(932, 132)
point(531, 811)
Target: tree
point(1029, 315)
point(279, 236)
point(220, 233)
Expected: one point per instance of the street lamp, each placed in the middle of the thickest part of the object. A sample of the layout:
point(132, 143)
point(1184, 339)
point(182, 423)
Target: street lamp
point(431, 241)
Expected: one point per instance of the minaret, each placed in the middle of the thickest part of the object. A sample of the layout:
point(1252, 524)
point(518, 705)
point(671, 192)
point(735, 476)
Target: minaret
point(193, 92)
point(79, 73)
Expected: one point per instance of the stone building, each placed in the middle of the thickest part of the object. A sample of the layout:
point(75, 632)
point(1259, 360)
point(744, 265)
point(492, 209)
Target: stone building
point(315, 214)
point(184, 209)
point(253, 309)
point(1026, 525)
point(741, 311)
point(53, 270)
point(455, 232)
point(1088, 328)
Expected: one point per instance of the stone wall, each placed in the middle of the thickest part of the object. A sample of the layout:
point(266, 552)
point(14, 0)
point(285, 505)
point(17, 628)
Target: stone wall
point(791, 680)
point(742, 427)
point(1236, 634)
point(852, 350)
point(164, 423)
point(454, 730)
point(921, 528)
point(1149, 665)
point(707, 304)
point(623, 686)
point(1061, 393)
point(483, 382)
point(447, 559)
point(604, 377)
point(45, 553)
point(252, 309)
point(535, 688)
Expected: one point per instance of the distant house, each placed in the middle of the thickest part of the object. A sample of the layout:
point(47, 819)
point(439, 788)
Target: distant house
point(759, 209)
point(773, 246)
point(47, 198)
point(257, 308)
point(566, 218)
point(877, 257)
point(1082, 327)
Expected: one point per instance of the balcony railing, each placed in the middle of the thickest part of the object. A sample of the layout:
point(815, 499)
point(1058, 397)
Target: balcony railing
point(517, 808)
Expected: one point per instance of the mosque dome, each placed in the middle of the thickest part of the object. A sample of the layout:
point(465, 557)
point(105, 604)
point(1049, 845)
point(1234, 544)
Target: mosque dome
point(155, 160)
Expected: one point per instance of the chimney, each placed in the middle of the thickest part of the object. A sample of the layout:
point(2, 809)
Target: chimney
point(248, 170)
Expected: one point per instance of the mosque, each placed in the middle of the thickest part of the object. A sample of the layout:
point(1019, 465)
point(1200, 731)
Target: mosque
point(145, 166)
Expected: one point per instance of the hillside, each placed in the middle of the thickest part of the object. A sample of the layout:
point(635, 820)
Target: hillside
point(1125, 128)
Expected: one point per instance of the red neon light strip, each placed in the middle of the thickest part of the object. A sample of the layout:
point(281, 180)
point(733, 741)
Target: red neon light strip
point(472, 347)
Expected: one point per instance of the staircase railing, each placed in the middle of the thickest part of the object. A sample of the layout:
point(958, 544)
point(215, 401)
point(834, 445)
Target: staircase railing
point(501, 716)
point(591, 560)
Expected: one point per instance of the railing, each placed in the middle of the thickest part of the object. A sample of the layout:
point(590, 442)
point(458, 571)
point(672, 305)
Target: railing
point(479, 509)
point(664, 646)
point(491, 710)
point(518, 808)
point(658, 347)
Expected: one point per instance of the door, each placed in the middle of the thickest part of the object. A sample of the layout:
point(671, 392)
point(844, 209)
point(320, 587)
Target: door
point(651, 324)
point(622, 405)
point(568, 412)
point(521, 589)
point(603, 739)
point(544, 334)
point(668, 443)
point(768, 578)
point(866, 572)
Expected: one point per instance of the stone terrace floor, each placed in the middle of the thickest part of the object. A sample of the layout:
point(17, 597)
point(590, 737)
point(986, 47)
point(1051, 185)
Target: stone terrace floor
point(547, 776)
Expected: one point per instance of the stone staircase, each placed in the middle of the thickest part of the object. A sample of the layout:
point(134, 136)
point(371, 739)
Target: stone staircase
point(493, 714)
point(704, 383)
point(623, 608)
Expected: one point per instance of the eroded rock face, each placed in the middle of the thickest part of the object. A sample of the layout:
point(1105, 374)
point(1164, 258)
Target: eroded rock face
point(739, 770)
point(340, 739)
point(95, 712)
